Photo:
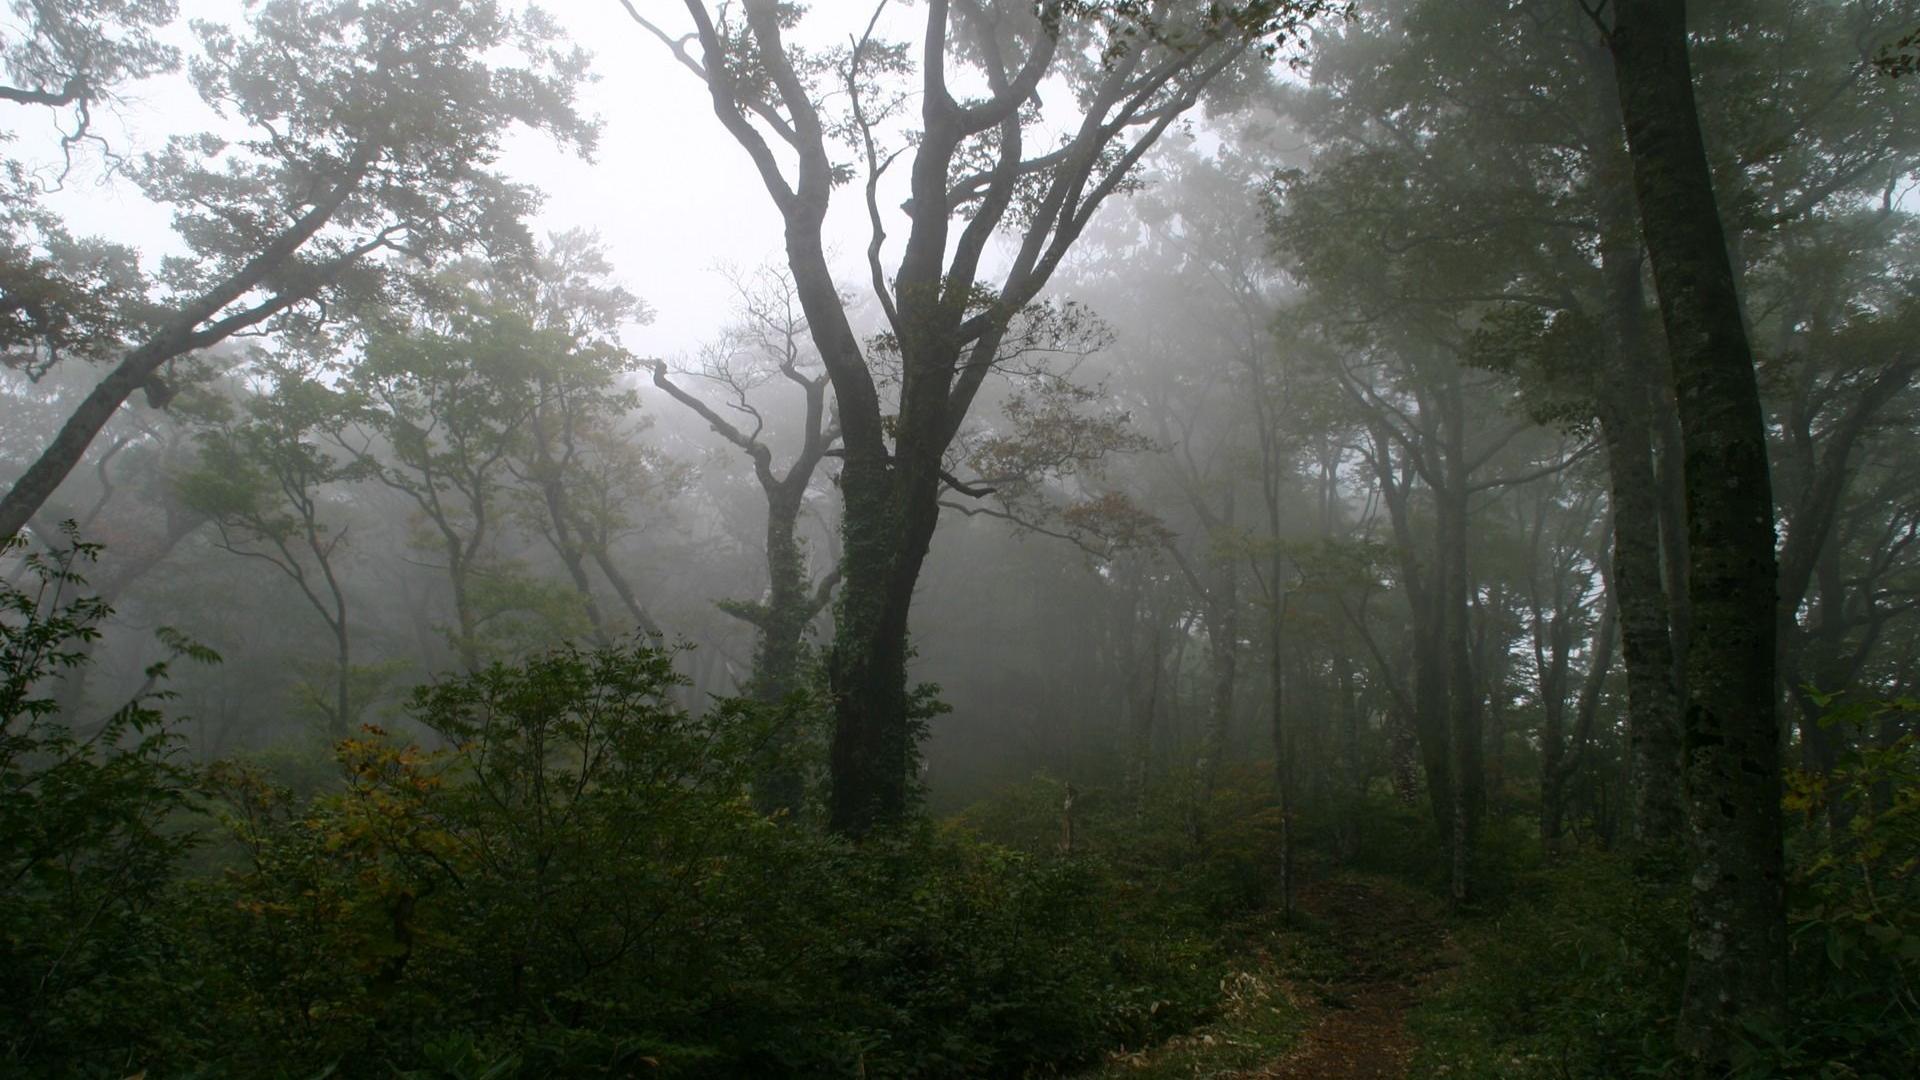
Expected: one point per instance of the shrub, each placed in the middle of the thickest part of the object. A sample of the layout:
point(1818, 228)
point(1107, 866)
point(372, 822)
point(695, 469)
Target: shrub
point(88, 843)
point(577, 883)
point(1854, 891)
point(1576, 973)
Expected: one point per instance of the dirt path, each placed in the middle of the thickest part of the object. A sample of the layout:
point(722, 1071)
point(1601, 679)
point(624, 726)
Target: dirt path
point(1390, 948)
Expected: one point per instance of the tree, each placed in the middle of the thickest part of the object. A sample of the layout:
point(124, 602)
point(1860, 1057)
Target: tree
point(1737, 948)
point(1560, 543)
point(1194, 295)
point(583, 468)
point(263, 480)
point(1132, 72)
point(770, 342)
point(376, 129)
point(441, 400)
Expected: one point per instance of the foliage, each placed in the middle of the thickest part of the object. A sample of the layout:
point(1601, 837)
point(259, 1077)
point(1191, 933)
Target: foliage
point(1855, 894)
point(1573, 974)
point(1899, 57)
point(87, 844)
point(574, 882)
point(1576, 976)
point(61, 295)
point(77, 54)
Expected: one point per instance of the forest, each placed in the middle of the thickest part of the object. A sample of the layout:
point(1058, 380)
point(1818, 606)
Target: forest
point(960, 538)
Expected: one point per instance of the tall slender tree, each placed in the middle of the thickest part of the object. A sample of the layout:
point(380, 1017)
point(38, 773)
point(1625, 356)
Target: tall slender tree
point(263, 480)
point(770, 343)
point(1737, 947)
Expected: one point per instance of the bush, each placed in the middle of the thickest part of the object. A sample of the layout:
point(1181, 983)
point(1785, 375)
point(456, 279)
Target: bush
point(1578, 971)
point(578, 884)
point(1854, 893)
point(1575, 974)
point(87, 850)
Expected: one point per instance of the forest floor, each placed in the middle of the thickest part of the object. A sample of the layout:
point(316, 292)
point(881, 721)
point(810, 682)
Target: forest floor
point(1391, 946)
point(1324, 999)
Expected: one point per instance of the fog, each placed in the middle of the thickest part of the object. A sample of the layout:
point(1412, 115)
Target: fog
point(1252, 469)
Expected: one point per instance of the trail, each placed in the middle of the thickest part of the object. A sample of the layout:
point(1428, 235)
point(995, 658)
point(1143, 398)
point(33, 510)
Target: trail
point(1391, 949)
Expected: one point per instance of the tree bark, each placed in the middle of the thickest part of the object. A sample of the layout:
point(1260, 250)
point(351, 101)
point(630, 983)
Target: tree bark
point(779, 786)
point(1550, 658)
point(781, 622)
point(1737, 954)
point(1563, 764)
point(550, 478)
point(885, 544)
point(1626, 411)
point(1284, 740)
point(622, 588)
point(1646, 633)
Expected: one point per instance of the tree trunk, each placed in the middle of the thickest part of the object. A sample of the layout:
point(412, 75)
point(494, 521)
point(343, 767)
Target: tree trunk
point(1142, 677)
point(1223, 654)
point(1491, 655)
point(624, 590)
point(1669, 477)
point(342, 633)
point(1553, 731)
point(780, 782)
point(572, 558)
point(1626, 410)
point(1283, 740)
point(1352, 789)
point(1565, 762)
point(343, 682)
point(1646, 634)
point(1737, 952)
point(885, 543)
point(466, 641)
point(183, 333)
point(69, 444)
point(1429, 711)
point(1463, 692)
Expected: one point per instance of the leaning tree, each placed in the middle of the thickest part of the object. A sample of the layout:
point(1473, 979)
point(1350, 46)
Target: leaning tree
point(374, 137)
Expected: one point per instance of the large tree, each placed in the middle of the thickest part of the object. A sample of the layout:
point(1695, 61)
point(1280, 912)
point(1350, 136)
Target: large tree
point(1131, 70)
point(1737, 948)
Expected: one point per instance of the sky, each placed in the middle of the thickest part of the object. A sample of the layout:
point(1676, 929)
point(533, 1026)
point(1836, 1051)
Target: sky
point(670, 193)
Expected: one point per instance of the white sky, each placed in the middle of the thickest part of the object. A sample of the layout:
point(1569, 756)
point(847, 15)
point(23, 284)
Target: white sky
point(670, 192)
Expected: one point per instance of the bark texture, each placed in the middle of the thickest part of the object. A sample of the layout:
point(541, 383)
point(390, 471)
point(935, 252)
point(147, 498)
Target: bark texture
point(1737, 955)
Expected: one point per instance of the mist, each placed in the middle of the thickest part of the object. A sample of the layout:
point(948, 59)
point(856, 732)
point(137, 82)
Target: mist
point(937, 539)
